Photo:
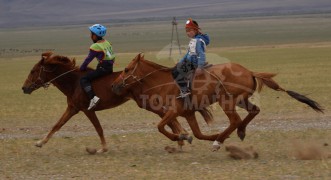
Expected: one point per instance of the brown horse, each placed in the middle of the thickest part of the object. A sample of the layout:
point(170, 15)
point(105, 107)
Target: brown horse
point(63, 73)
point(152, 86)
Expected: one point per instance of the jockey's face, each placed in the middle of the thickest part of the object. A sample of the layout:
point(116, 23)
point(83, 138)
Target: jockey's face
point(94, 38)
point(191, 32)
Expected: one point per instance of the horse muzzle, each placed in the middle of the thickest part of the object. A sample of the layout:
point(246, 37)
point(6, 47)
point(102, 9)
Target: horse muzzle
point(27, 90)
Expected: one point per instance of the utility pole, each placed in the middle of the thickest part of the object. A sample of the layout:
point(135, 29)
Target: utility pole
point(174, 26)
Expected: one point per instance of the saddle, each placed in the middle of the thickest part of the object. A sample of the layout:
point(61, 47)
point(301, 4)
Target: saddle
point(207, 65)
point(189, 78)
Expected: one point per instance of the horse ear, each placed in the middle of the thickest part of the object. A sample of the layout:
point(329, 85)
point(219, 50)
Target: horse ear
point(142, 56)
point(73, 62)
point(139, 57)
point(46, 55)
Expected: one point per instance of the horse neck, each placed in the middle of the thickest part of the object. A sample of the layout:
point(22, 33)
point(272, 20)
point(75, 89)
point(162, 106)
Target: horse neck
point(66, 83)
point(152, 80)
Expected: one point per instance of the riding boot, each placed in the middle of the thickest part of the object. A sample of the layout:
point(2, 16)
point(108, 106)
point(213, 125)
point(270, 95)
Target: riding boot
point(182, 83)
point(184, 87)
point(93, 103)
point(94, 100)
point(89, 91)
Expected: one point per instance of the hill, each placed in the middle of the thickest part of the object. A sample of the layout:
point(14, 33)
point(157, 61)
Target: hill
point(22, 13)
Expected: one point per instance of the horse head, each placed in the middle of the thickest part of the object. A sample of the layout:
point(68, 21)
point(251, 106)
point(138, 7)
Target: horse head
point(43, 71)
point(129, 76)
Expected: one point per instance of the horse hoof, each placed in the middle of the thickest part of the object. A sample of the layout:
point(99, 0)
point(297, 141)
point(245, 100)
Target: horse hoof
point(189, 139)
point(216, 146)
point(39, 144)
point(182, 137)
point(102, 150)
point(241, 135)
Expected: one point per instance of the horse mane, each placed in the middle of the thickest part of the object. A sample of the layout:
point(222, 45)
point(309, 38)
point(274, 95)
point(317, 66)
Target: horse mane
point(63, 61)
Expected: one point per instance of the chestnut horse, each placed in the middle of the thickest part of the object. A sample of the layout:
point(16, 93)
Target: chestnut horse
point(152, 86)
point(62, 73)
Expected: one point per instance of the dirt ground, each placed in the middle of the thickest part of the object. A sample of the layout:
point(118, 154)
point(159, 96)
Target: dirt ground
point(141, 152)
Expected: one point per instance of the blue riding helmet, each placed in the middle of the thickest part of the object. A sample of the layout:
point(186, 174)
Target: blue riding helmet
point(98, 30)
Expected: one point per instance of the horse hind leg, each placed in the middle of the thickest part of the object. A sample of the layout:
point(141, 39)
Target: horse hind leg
point(252, 110)
point(228, 106)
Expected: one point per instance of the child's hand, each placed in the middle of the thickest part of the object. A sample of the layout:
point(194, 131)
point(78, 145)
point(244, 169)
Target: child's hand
point(198, 71)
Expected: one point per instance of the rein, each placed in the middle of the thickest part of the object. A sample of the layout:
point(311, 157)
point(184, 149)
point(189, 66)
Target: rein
point(219, 81)
point(43, 84)
point(136, 78)
point(49, 82)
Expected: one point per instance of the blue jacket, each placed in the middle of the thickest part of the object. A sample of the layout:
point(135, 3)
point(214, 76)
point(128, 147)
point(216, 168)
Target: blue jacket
point(196, 50)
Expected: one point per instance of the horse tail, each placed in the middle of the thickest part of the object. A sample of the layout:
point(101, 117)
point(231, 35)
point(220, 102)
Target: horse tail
point(207, 115)
point(266, 79)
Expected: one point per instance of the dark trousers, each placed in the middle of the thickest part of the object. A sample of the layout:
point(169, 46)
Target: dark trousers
point(182, 73)
point(101, 70)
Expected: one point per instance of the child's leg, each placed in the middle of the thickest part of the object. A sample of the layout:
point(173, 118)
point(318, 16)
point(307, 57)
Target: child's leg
point(85, 81)
point(179, 76)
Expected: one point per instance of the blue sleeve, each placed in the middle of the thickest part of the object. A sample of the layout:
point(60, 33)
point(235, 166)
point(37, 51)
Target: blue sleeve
point(183, 58)
point(92, 54)
point(200, 48)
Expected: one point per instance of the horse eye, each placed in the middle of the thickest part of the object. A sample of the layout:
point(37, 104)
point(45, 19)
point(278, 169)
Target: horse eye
point(126, 70)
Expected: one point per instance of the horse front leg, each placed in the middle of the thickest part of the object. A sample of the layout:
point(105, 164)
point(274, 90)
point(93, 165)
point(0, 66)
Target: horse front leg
point(70, 111)
point(166, 119)
point(192, 121)
point(183, 134)
point(95, 121)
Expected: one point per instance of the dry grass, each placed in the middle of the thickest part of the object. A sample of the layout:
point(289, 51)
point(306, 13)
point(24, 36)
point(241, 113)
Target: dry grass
point(141, 156)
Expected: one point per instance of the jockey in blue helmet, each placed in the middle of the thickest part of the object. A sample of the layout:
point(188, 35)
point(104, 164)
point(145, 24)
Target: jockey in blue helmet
point(102, 50)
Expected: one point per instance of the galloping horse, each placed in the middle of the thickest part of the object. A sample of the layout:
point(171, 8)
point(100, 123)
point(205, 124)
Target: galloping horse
point(63, 73)
point(152, 86)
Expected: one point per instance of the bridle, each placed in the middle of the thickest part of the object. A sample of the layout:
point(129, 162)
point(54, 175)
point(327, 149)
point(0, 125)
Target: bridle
point(34, 85)
point(124, 84)
point(134, 77)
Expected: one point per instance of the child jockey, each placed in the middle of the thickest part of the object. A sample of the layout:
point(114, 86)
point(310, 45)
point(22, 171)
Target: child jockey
point(103, 51)
point(194, 59)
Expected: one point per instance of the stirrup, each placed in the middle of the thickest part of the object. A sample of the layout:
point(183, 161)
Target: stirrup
point(183, 94)
point(93, 102)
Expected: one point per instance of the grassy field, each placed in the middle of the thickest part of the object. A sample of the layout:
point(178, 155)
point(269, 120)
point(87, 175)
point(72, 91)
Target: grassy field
point(297, 48)
point(154, 36)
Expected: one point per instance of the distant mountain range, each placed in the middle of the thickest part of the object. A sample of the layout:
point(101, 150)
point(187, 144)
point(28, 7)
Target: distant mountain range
point(29, 13)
